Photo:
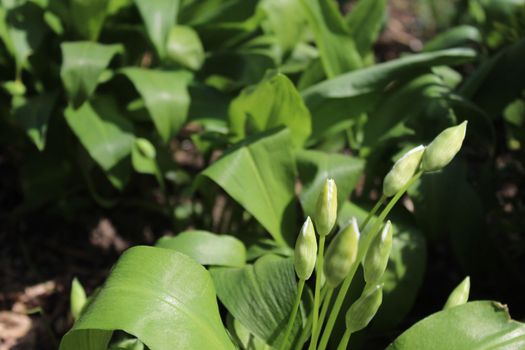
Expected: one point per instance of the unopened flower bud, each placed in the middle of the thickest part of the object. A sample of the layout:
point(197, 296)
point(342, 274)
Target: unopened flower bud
point(402, 171)
point(341, 254)
point(459, 295)
point(305, 251)
point(326, 210)
point(376, 258)
point(444, 147)
point(146, 148)
point(77, 298)
point(364, 309)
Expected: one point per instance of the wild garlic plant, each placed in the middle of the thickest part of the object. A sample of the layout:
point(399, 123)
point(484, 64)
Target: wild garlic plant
point(349, 248)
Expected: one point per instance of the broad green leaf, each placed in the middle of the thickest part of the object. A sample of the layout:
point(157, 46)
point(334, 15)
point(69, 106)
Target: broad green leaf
point(457, 36)
point(404, 273)
point(332, 102)
point(364, 22)
point(165, 95)
point(273, 102)
point(472, 326)
point(286, 20)
point(336, 47)
point(259, 173)
point(103, 131)
point(243, 337)
point(184, 47)
point(87, 17)
point(82, 65)
point(160, 296)
point(159, 17)
point(207, 248)
point(314, 167)
point(33, 114)
point(22, 30)
point(260, 296)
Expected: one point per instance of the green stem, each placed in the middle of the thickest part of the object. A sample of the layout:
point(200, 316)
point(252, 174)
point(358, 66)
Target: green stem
point(322, 316)
point(291, 321)
point(344, 340)
point(306, 330)
point(315, 311)
point(373, 212)
point(364, 243)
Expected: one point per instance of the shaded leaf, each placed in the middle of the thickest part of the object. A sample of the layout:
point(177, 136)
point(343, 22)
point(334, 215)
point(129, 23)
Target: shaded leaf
point(33, 114)
point(273, 102)
point(337, 49)
point(334, 101)
point(456, 36)
point(159, 17)
point(364, 22)
point(162, 297)
point(207, 248)
point(88, 16)
point(104, 133)
point(82, 65)
point(259, 173)
point(314, 167)
point(474, 325)
point(165, 95)
point(260, 296)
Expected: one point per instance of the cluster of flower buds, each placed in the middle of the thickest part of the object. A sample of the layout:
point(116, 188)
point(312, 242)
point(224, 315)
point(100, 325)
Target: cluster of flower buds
point(341, 255)
point(364, 309)
point(433, 157)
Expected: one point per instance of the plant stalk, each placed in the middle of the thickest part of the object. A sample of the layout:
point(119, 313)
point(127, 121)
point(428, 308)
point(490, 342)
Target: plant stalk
point(344, 340)
point(291, 321)
point(363, 247)
point(322, 316)
point(317, 295)
point(305, 333)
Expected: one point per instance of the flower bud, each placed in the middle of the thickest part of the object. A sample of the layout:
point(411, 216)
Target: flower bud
point(305, 251)
point(326, 210)
point(444, 147)
point(377, 255)
point(146, 148)
point(341, 254)
point(77, 298)
point(364, 309)
point(402, 171)
point(459, 295)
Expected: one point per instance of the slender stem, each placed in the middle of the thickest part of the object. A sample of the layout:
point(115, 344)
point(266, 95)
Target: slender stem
point(322, 316)
point(373, 212)
point(364, 243)
point(291, 321)
point(318, 273)
point(306, 330)
point(344, 340)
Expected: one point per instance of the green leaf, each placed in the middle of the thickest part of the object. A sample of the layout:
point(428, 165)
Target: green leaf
point(77, 298)
point(329, 101)
point(243, 337)
point(159, 17)
point(162, 297)
point(457, 36)
point(165, 95)
point(82, 65)
point(184, 47)
point(260, 296)
point(474, 325)
point(207, 248)
point(364, 22)
point(273, 102)
point(87, 17)
point(286, 20)
point(104, 133)
point(33, 114)
point(337, 49)
point(22, 30)
point(259, 173)
point(314, 167)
